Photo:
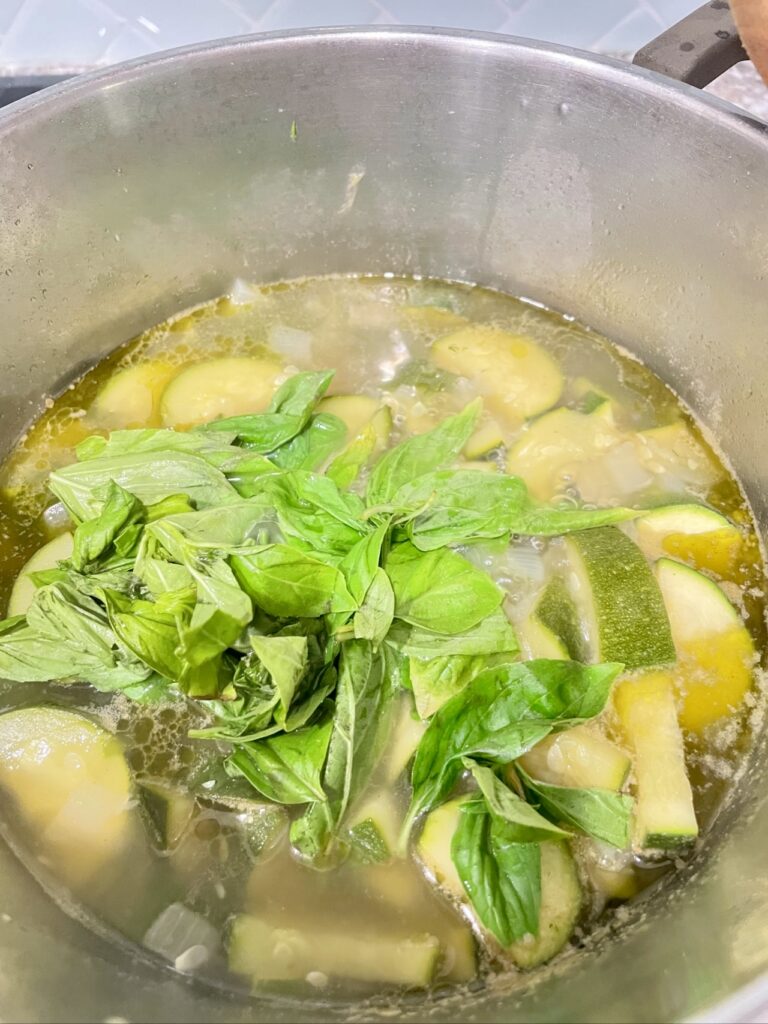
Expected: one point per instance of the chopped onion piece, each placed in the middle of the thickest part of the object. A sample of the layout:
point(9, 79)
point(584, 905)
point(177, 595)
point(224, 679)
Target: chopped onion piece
point(294, 344)
point(178, 931)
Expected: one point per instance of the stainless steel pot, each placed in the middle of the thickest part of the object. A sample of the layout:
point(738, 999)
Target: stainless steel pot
point(628, 199)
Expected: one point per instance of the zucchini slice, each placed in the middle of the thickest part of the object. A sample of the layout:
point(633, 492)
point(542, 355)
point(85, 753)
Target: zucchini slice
point(486, 437)
point(538, 641)
point(431, 321)
point(374, 826)
point(231, 386)
point(697, 608)
point(46, 557)
point(265, 952)
point(170, 811)
point(459, 960)
point(619, 599)
point(580, 757)
point(405, 737)
point(355, 411)
point(610, 871)
point(434, 847)
point(586, 449)
point(664, 815)
point(130, 398)
point(691, 533)
point(566, 447)
point(675, 450)
point(516, 376)
point(561, 902)
point(561, 897)
point(715, 651)
point(71, 787)
point(557, 612)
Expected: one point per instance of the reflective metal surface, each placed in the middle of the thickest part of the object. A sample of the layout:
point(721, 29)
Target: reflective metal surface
point(632, 202)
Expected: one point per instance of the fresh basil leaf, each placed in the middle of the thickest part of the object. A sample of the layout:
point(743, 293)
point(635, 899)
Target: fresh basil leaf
point(60, 612)
point(286, 582)
point(43, 577)
point(249, 716)
point(492, 635)
point(249, 475)
point(436, 680)
point(501, 877)
point(526, 825)
point(95, 536)
point(286, 768)
point(374, 617)
point(311, 696)
point(209, 680)
point(215, 449)
point(173, 505)
point(154, 690)
point(149, 476)
point(28, 657)
point(322, 436)
point(286, 660)
point(314, 513)
point(298, 395)
point(160, 576)
point(287, 415)
point(152, 441)
point(212, 529)
point(151, 630)
point(422, 454)
point(310, 834)
point(548, 521)
point(560, 691)
point(361, 562)
point(208, 633)
point(500, 715)
point(439, 590)
point(218, 618)
point(66, 636)
point(600, 813)
point(460, 505)
point(126, 543)
point(361, 722)
point(119, 577)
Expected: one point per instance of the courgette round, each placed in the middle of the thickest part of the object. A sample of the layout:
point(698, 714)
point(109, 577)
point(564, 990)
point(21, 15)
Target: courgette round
point(231, 386)
point(46, 557)
point(70, 785)
point(516, 376)
point(130, 397)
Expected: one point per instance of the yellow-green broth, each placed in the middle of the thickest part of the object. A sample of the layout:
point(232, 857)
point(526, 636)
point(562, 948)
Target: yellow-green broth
point(377, 334)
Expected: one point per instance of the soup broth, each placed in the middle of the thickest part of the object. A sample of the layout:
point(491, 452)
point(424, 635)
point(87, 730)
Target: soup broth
point(516, 706)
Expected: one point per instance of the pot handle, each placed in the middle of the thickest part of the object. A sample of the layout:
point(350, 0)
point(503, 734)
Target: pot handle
point(698, 49)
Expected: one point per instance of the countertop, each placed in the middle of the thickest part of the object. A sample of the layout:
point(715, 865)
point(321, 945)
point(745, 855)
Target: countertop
point(64, 37)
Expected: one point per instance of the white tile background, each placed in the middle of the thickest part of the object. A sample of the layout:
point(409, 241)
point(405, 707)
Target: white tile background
point(56, 35)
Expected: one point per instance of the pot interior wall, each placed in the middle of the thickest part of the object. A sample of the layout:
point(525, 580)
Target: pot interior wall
point(592, 188)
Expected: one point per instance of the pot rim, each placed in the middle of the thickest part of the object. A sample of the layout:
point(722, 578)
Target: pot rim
point(64, 94)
